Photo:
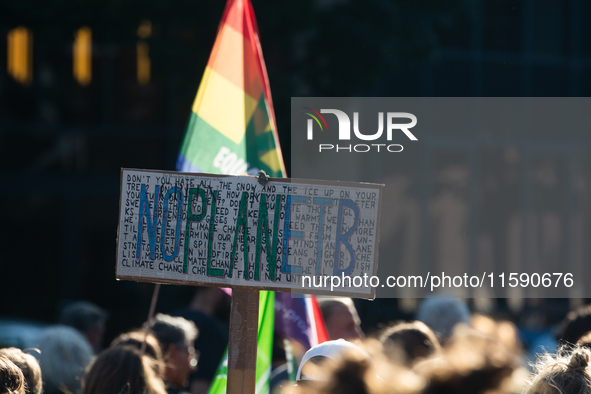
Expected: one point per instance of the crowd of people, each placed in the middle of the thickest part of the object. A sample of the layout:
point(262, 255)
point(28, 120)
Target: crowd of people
point(447, 349)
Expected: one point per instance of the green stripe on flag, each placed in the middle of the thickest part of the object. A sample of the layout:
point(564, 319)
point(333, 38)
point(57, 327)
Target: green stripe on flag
point(203, 143)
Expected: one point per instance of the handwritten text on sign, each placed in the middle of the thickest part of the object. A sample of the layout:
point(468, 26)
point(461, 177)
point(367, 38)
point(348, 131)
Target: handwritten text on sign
point(197, 228)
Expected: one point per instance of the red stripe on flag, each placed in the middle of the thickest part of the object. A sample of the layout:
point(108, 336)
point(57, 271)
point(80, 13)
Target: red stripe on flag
point(234, 15)
point(252, 24)
point(320, 326)
point(239, 14)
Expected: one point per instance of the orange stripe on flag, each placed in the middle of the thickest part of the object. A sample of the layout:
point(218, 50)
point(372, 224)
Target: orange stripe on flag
point(233, 58)
point(240, 15)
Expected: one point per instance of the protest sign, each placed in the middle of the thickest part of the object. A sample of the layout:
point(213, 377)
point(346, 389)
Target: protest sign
point(229, 231)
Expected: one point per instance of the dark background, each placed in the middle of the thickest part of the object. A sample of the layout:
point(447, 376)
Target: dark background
point(62, 145)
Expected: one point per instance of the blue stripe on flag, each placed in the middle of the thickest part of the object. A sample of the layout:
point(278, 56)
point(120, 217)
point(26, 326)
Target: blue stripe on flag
point(184, 165)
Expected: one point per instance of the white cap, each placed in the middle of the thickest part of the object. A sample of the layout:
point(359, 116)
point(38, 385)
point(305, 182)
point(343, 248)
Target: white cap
point(330, 349)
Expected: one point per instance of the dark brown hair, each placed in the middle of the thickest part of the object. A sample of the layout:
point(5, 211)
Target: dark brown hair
point(122, 370)
point(576, 324)
point(136, 339)
point(409, 342)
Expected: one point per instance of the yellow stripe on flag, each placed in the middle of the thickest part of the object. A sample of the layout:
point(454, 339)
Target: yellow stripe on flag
point(223, 105)
point(271, 158)
point(260, 121)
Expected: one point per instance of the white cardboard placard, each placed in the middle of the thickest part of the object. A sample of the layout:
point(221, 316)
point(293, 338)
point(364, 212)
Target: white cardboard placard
point(316, 228)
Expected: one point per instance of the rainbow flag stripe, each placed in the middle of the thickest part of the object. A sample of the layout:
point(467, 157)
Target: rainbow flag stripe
point(232, 129)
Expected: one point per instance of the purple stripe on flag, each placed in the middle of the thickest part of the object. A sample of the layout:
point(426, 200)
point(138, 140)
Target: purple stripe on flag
point(291, 320)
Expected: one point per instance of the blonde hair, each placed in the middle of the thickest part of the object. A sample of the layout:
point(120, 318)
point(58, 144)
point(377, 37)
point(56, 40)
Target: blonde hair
point(567, 372)
point(12, 380)
point(356, 372)
point(470, 363)
point(29, 367)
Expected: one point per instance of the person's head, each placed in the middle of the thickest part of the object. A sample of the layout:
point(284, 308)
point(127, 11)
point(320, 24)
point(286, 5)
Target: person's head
point(443, 314)
point(88, 319)
point(323, 355)
point(176, 336)
point(409, 342)
point(341, 367)
point(122, 369)
point(576, 324)
point(345, 375)
point(64, 354)
point(29, 367)
point(471, 363)
point(341, 318)
point(567, 372)
point(12, 380)
point(503, 330)
point(136, 339)
point(211, 301)
point(585, 341)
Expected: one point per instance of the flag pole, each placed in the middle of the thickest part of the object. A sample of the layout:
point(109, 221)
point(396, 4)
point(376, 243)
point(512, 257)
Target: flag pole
point(242, 345)
point(150, 316)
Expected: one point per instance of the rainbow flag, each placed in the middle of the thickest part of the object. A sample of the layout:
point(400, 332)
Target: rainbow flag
point(232, 129)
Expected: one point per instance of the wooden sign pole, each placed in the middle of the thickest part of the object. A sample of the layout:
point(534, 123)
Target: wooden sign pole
point(242, 345)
